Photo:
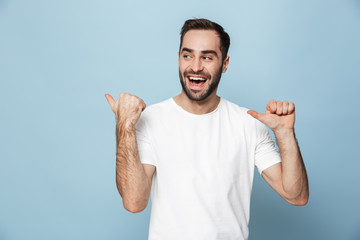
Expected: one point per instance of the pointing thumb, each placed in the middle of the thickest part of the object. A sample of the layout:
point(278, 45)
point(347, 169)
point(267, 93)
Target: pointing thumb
point(256, 115)
point(110, 100)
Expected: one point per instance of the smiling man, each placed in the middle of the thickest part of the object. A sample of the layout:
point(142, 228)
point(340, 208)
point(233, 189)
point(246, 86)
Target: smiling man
point(195, 153)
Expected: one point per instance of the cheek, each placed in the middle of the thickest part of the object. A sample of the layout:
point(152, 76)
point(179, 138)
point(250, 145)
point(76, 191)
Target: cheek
point(182, 66)
point(213, 71)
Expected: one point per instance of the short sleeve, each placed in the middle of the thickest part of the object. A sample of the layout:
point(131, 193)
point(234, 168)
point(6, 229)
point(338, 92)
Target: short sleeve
point(145, 149)
point(266, 153)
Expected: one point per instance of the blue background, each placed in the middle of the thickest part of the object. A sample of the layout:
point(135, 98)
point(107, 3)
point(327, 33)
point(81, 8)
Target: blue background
point(57, 132)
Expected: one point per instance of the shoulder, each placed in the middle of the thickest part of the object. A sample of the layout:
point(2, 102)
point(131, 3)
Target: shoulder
point(239, 112)
point(157, 108)
point(234, 108)
point(156, 111)
point(150, 113)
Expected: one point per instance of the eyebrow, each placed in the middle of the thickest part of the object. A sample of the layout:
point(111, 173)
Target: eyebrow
point(203, 52)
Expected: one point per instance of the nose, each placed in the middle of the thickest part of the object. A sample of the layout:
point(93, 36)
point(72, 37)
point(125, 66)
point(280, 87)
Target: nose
point(197, 65)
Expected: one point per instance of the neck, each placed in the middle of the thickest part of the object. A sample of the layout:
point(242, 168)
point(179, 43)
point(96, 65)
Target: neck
point(197, 107)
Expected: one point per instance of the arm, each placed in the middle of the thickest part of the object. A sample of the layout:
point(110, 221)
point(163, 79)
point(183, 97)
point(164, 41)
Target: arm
point(288, 178)
point(133, 179)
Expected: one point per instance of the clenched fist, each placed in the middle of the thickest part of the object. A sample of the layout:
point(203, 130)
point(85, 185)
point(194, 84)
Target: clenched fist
point(278, 115)
point(127, 108)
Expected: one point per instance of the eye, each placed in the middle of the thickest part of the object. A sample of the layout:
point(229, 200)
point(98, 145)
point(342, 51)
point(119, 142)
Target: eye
point(186, 56)
point(207, 58)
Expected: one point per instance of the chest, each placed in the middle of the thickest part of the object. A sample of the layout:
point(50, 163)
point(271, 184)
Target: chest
point(204, 152)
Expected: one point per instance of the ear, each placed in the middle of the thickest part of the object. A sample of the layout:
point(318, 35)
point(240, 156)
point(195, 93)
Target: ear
point(225, 64)
point(178, 57)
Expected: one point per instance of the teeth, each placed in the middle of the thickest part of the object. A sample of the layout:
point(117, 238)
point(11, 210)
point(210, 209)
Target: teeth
point(196, 79)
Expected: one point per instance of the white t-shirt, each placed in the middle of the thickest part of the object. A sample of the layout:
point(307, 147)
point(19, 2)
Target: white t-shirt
point(204, 169)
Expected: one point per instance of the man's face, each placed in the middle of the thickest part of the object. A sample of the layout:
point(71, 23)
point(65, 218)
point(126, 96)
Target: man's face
point(200, 64)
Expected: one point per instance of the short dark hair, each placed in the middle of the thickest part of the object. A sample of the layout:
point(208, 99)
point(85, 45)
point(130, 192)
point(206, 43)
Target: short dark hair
point(205, 24)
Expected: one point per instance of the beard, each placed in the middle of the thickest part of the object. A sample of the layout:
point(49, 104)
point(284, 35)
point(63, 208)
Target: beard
point(211, 88)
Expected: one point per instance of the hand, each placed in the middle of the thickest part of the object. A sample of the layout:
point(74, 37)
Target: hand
point(127, 108)
point(278, 115)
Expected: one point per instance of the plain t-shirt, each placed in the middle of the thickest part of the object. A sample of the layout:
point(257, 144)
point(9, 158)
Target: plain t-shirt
point(204, 169)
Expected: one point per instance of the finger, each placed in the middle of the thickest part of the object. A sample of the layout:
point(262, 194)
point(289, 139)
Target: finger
point(143, 105)
point(291, 108)
point(279, 107)
point(256, 115)
point(285, 108)
point(110, 100)
point(271, 106)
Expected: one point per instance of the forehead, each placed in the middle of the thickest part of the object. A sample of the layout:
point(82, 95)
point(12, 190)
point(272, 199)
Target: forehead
point(200, 40)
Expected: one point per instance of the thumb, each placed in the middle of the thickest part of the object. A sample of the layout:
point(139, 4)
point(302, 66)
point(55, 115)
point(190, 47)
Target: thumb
point(256, 115)
point(110, 100)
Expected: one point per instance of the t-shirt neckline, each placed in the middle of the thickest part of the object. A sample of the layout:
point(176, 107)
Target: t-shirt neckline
point(197, 115)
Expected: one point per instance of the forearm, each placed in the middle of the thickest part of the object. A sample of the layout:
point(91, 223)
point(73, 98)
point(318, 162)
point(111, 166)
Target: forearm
point(131, 180)
point(294, 177)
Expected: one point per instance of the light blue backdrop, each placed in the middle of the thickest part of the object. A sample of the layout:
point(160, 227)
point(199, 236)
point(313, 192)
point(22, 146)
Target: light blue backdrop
point(57, 143)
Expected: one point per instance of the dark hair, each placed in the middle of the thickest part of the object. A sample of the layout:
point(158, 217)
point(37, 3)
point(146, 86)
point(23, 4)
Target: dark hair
point(204, 24)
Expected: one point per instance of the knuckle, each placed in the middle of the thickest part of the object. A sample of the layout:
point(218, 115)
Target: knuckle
point(272, 103)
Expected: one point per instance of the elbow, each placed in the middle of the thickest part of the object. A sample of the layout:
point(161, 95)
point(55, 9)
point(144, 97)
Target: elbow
point(134, 203)
point(134, 208)
point(299, 201)
point(298, 197)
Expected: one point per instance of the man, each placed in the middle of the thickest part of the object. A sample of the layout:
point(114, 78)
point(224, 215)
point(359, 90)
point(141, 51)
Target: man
point(196, 152)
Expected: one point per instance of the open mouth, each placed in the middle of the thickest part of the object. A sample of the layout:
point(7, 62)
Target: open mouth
point(196, 82)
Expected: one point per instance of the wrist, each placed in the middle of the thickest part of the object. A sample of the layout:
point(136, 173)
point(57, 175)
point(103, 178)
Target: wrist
point(284, 133)
point(125, 126)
